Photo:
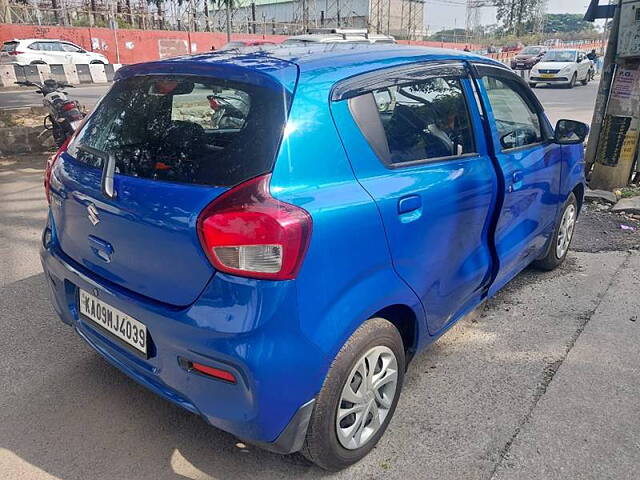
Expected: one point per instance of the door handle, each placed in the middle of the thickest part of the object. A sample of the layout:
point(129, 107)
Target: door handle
point(516, 180)
point(408, 204)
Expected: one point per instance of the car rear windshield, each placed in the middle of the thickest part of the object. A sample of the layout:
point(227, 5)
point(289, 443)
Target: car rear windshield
point(9, 46)
point(185, 129)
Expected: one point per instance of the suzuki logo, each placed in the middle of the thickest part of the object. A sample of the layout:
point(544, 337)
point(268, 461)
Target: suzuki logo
point(92, 213)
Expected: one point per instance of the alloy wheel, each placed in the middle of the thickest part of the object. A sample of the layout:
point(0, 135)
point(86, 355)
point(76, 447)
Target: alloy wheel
point(367, 397)
point(565, 232)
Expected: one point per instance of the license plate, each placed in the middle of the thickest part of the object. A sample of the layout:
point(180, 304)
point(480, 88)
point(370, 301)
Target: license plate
point(520, 65)
point(118, 323)
point(547, 75)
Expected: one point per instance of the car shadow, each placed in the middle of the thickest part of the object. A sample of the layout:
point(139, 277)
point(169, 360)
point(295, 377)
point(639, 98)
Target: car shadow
point(67, 412)
point(73, 415)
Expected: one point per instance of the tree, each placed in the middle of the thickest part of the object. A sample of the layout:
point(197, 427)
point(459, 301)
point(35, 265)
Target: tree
point(566, 23)
point(517, 16)
point(449, 35)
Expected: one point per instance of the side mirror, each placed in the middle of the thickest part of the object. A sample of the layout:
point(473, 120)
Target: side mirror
point(569, 132)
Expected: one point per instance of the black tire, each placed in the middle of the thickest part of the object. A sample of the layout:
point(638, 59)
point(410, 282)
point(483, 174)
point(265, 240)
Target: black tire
point(586, 79)
point(322, 445)
point(572, 83)
point(532, 84)
point(96, 62)
point(38, 62)
point(551, 259)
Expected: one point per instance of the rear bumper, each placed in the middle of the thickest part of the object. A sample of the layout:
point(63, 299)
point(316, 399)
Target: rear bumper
point(235, 325)
point(522, 65)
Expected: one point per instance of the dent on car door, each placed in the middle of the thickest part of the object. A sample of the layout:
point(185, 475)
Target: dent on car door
point(530, 165)
point(418, 149)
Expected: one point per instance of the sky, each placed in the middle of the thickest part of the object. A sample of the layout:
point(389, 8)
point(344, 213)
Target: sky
point(440, 14)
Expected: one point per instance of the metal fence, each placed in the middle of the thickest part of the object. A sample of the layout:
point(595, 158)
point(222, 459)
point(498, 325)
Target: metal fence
point(203, 19)
point(211, 20)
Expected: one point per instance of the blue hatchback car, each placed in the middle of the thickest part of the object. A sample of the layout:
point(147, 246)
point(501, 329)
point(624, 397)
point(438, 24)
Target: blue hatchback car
point(266, 238)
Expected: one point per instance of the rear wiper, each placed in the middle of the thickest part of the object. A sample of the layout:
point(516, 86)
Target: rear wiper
point(108, 169)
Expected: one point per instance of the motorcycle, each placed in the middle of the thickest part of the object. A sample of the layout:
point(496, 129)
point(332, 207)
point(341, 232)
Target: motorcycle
point(64, 115)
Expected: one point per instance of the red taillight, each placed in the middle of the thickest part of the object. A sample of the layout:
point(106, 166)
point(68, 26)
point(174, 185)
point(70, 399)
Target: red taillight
point(213, 372)
point(249, 233)
point(15, 52)
point(68, 106)
point(49, 167)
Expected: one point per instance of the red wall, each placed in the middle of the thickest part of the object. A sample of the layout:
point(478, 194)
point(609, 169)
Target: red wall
point(143, 45)
point(133, 45)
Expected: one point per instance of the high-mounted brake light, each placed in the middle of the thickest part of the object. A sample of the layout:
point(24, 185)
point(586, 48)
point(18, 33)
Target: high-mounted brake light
point(49, 167)
point(249, 233)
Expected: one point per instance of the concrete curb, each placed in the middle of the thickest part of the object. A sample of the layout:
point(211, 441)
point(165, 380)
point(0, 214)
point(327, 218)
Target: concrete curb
point(68, 73)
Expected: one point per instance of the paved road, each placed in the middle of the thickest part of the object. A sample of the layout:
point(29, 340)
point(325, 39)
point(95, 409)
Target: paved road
point(542, 385)
point(25, 97)
point(576, 103)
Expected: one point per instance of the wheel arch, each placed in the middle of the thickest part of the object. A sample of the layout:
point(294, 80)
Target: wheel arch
point(404, 318)
point(578, 191)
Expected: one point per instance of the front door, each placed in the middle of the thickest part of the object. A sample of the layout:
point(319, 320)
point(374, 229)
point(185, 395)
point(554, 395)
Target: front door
point(530, 166)
point(416, 145)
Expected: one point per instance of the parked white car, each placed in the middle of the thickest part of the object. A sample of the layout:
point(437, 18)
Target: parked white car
point(564, 67)
point(339, 35)
point(32, 51)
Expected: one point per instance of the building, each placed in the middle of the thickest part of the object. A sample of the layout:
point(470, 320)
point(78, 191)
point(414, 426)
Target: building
point(401, 18)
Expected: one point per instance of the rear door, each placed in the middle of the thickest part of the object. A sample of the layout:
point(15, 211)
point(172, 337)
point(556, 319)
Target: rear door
point(178, 142)
point(417, 146)
point(530, 170)
point(50, 52)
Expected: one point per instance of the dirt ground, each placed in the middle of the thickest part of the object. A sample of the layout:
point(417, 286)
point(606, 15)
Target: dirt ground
point(598, 230)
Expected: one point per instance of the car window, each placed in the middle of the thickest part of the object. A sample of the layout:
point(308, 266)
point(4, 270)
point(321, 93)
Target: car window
point(35, 46)
point(212, 109)
point(9, 47)
point(425, 120)
point(50, 46)
point(517, 122)
point(231, 45)
point(67, 47)
point(185, 129)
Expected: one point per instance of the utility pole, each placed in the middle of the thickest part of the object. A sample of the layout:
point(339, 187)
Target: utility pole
point(207, 20)
point(613, 146)
point(227, 7)
point(602, 96)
